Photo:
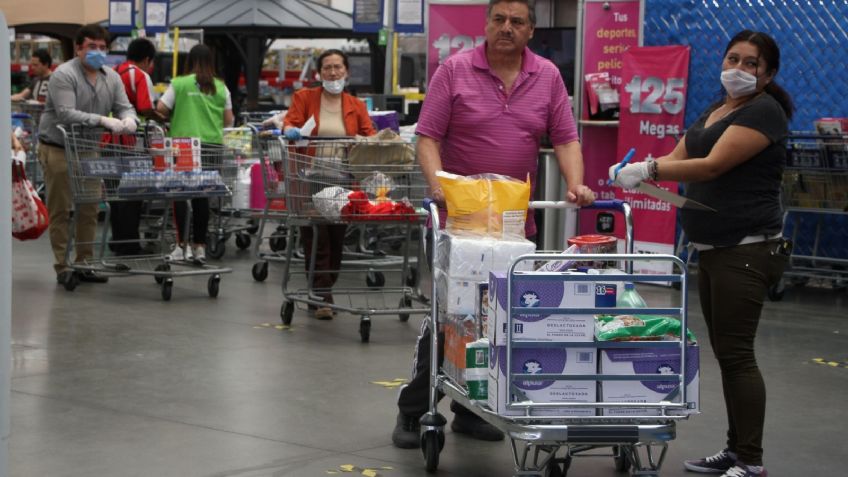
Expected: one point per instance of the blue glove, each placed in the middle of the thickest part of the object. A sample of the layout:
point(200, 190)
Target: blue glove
point(293, 134)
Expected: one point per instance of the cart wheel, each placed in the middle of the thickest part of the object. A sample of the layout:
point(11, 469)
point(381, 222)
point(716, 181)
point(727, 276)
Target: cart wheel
point(621, 459)
point(776, 292)
point(242, 241)
point(213, 286)
point(365, 329)
point(70, 280)
point(216, 247)
point(431, 445)
point(167, 289)
point(277, 243)
point(375, 279)
point(286, 312)
point(253, 227)
point(412, 277)
point(260, 271)
point(405, 302)
point(163, 267)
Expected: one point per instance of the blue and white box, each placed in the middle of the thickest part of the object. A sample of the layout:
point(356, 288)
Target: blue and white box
point(631, 361)
point(582, 361)
point(529, 292)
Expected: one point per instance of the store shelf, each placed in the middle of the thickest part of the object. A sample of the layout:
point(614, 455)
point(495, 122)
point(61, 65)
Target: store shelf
point(600, 124)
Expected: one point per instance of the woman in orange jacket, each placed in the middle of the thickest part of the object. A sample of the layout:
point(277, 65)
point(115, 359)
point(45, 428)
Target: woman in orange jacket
point(336, 113)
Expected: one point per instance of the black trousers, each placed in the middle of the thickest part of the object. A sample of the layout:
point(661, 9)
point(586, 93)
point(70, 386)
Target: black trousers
point(199, 220)
point(732, 284)
point(125, 219)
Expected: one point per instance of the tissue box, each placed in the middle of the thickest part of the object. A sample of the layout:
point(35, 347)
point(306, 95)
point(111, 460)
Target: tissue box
point(543, 360)
point(532, 293)
point(630, 361)
point(472, 257)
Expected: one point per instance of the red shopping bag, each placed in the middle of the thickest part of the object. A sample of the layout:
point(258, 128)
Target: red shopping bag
point(29, 215)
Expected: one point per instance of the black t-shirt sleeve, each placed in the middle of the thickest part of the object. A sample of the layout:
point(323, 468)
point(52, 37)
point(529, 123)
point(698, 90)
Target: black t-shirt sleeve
point(765, 115)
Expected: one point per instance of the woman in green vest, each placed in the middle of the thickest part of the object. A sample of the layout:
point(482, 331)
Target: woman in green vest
point(199, 106)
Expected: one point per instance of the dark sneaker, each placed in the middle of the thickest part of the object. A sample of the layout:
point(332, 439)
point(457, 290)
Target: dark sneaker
point(90, 277)
point(714, 464)
point(407, 433)
point(473, 425)
point(742, 470)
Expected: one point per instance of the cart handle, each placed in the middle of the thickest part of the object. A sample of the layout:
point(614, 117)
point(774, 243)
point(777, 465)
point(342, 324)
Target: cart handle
point(614, 204)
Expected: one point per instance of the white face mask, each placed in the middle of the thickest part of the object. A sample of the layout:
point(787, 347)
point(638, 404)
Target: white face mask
point(738, 83)
point(334, 86)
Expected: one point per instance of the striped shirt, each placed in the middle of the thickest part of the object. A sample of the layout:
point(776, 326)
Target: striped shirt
point(482, 129)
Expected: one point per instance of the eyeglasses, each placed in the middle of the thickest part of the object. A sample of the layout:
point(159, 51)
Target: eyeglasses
point(331, 68)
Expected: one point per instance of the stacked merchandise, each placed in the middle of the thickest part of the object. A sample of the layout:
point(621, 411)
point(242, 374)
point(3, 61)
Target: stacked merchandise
point(643, 360)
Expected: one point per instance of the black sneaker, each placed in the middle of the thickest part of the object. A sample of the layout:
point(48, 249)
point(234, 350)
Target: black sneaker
point(714, 464)
point(473, 425)
point(90, 277)
point(407, 433)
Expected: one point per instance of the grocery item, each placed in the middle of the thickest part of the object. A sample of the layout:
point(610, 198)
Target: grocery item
point(638, 328)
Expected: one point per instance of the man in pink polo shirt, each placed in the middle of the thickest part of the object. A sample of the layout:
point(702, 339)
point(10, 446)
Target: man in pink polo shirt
point(486, 111)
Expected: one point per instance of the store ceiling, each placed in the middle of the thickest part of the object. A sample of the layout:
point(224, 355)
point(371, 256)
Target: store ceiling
point(297, 14)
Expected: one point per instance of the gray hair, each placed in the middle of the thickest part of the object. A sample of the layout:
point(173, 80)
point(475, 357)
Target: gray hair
point(531, 6)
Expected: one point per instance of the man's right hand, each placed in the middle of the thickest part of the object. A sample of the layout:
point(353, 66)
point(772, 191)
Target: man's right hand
point(113, 124)
point(439, 197)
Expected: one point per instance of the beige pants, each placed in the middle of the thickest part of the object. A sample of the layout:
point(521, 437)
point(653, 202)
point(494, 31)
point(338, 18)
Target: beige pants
point(59, 205)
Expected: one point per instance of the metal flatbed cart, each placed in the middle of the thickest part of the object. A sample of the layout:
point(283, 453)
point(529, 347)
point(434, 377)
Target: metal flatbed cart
point(347, 181)
point(546, 436)
point(104, 167)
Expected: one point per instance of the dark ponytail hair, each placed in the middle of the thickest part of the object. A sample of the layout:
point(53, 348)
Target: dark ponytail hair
point(201, 62)
point(770, 52)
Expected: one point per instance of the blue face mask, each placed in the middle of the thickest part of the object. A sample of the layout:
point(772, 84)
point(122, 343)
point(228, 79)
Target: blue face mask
point(95, 59)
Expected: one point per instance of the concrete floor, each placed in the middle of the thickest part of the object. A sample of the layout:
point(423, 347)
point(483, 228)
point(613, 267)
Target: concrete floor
point(111, 381)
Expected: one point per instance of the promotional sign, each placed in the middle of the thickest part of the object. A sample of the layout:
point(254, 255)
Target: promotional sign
point(653, 104)
point(409, 16)
point(609, 29)
point(453, 28)
point(121, 16)
point(156, 16)
point(367, 16)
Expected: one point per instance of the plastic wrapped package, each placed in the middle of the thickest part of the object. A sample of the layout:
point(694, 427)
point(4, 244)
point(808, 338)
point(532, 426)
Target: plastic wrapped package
point(488, 204)
point(638, 328)
point(329, 201)
point(457, 296)
point(472, 256)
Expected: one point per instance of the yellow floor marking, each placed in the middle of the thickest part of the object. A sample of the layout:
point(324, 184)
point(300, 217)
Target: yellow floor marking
point(386, 467)
point(369, 473)
point(346, 468)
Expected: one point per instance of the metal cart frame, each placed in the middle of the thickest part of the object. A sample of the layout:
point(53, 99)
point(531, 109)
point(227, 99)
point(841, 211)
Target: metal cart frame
point(638, 443)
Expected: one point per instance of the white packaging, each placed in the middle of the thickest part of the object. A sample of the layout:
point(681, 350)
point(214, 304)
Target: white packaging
point(506, 251)
point(575, 361)
point(560, 265)
point(533, 293)
point(241, 189)
point(465, 255)
point(630, 361)
point(456, 296)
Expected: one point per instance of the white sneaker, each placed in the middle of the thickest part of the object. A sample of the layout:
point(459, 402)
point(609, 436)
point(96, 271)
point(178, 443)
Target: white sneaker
point(199, 252)
point(176, 254)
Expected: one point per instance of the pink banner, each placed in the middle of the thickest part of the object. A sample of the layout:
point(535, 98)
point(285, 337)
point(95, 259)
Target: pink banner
point(607, 33)
point(653, 103)
point(452, 28)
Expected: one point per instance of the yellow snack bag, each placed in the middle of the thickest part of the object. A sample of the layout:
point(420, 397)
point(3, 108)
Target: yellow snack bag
point(490, 204)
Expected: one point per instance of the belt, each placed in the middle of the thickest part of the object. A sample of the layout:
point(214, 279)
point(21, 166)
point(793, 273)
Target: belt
point(51, 144)
point(749, 239)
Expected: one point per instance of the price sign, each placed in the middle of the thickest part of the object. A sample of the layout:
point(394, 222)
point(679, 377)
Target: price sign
point(453, 28)
point(447, 45)
point(655, 95)
point(138, 164)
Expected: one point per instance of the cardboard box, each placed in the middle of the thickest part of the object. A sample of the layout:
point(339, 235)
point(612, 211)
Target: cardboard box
point(630, 361)
point(543, 360)
point(533, 293)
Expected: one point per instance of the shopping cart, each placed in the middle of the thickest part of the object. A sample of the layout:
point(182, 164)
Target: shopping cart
point(545, 436)
point(271, 153)
point(26, 117)
point(815, 199)
point(346, 181)
point(231, 218)
point(104, 167)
